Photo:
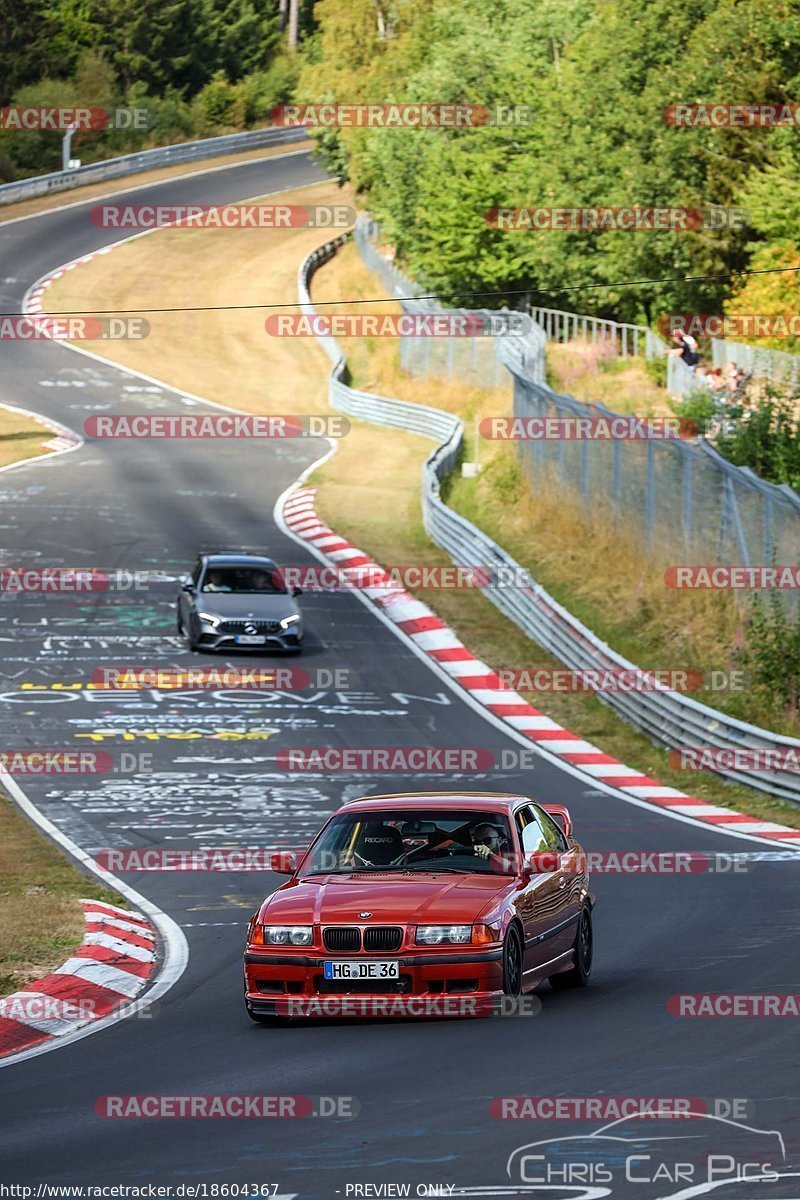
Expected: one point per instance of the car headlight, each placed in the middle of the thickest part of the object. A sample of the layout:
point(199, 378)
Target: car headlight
point(438, 935)
point(288, 935)
point(287, 621)
point(208, 618)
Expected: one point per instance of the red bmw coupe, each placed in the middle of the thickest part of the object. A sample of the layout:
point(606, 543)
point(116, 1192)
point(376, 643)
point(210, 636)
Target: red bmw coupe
point(421, 898)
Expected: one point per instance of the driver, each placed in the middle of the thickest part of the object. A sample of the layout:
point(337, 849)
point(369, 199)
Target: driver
point(487, 841)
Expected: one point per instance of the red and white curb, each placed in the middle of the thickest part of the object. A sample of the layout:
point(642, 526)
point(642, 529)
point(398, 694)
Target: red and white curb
point(112, 965)
point(438, 642)
point(34, 300)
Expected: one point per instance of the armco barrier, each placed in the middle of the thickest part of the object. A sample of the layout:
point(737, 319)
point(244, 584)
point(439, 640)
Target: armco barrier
point(146, 160)
point(669, 718)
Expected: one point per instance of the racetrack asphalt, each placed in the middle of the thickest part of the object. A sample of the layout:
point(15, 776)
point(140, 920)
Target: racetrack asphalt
point(424, 1087)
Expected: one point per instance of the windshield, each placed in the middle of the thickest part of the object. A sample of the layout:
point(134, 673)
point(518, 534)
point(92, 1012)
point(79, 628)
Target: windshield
point(243, 579)
point(415, 840)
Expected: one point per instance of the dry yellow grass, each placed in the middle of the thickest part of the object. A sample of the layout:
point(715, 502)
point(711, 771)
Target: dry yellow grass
point(41, 922)
point(225, 354)
point(20, 437)
point(25, 208)
point(590, 372)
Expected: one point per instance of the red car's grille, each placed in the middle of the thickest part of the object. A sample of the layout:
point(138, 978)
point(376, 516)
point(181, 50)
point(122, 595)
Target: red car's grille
point(346, 939)
point(372, 987)
point(387, 937)
point(342, 939)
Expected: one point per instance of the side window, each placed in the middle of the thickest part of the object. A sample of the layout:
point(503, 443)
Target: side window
point(530, 832)
point(198, 567)
point(551, 832)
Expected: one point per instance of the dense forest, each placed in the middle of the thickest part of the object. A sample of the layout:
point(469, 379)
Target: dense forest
point(597, 76)
point(197, 67)
point(594, 77)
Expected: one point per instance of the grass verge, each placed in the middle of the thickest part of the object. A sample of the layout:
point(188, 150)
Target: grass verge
point(21, 437)
point(41, 922)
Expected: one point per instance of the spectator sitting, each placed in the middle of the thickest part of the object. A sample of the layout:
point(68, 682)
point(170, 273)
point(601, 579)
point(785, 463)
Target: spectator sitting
point(685, 348)
point(716, 380)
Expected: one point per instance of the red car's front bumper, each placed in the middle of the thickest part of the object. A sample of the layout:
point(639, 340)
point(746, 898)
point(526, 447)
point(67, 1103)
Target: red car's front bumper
point(462, 981)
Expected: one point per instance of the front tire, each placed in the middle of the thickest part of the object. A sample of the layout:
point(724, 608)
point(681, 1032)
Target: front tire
point(512, 962)
point(579, 975)
point(192, 636)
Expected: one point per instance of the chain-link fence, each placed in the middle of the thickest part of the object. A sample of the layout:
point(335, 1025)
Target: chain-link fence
point(776, 366)
point(472, 360)
point(681, 498)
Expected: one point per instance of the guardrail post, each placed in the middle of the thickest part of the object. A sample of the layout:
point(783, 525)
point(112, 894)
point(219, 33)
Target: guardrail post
point(650, 492)
point(767, 516)
point(616, 469)
point(688, 466)
point(585, 470)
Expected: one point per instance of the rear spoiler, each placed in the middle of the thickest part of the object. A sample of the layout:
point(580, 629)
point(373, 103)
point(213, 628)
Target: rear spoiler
point(559, 810)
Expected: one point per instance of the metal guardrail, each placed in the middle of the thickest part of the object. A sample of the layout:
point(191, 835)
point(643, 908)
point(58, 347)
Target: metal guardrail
point(669, 718)
point(628, 339)
point(146, 160)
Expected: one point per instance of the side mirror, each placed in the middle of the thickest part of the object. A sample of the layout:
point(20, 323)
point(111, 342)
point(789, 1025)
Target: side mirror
point(283, 862)
point(187, 586)
point(560, 814)
point(296, 591)
point(543, 863)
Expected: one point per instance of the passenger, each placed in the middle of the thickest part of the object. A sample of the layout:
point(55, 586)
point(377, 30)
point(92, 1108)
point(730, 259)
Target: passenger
point(216, 583)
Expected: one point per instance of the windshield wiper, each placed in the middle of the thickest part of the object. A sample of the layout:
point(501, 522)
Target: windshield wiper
point(445, 870)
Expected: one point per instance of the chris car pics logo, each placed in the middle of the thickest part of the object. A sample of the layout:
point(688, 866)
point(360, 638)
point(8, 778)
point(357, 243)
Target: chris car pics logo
point(665, 1159)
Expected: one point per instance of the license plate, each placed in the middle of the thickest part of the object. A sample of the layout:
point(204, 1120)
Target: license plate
point(362, 970)
point(250, 639)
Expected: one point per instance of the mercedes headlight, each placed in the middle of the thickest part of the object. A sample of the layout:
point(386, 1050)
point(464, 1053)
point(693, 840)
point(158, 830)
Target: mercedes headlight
point(287, 621)
point(208, 618)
